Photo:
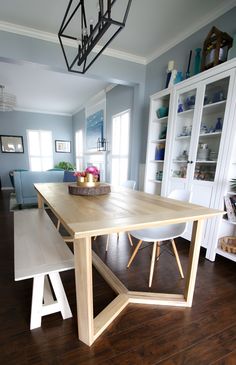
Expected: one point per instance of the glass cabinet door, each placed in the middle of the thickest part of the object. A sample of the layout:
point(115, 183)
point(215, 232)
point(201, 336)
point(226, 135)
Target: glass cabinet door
point(212, 121)
point(183, 132)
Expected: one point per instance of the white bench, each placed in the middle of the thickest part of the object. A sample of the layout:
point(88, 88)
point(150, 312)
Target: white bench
point(39, 253)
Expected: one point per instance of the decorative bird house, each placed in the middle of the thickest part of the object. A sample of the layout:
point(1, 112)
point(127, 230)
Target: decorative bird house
point(215, 48)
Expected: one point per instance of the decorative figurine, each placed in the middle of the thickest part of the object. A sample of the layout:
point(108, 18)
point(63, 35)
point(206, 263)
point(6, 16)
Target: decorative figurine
point(197, 61)
point(187, 75)
point(170, 68)
point(180, 108)
point(215, 48)
point(219, 124)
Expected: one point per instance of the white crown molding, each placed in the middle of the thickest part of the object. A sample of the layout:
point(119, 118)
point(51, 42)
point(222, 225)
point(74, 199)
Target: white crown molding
point(28, 110)
point(123, 55)
point(51, 37)
point(28, 32)
point(202, 23)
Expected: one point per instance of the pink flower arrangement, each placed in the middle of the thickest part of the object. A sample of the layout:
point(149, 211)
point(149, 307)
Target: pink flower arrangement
point(89, 170)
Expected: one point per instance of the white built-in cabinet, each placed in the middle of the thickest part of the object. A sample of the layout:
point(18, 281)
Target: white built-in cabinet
point(199, 140)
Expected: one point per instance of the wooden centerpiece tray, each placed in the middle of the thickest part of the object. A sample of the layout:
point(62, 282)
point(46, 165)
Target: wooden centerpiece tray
point(95, 189)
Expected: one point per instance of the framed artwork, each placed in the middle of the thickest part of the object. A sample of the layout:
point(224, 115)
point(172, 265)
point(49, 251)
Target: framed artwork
point(11, 144)
point(94, 129)
point(62, 146)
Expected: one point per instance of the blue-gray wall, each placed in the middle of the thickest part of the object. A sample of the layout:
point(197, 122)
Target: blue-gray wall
point(16, 123)
point(78, 121)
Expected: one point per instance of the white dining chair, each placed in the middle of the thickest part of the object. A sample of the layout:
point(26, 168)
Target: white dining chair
point(129, 184)
point(158, 235)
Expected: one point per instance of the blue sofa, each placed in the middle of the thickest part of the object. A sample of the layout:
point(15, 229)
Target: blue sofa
point(24, 184)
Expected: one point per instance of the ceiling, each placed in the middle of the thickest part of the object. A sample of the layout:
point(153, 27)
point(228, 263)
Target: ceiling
point(153, 26)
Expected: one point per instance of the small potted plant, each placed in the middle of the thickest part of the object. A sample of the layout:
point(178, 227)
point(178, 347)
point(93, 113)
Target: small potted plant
point(65, 166)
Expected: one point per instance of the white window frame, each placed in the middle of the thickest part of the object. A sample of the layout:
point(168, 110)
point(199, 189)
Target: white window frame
point(127, 156)
point(41, 155)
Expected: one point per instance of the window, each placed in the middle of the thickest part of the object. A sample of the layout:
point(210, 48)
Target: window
point(120, 147)
point(79, 149)
point(40, 150)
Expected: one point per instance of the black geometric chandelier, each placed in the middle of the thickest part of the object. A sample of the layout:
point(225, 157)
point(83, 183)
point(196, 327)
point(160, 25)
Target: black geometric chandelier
point(88, 27)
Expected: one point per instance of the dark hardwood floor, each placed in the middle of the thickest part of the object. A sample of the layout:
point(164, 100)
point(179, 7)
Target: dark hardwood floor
point(202, 335)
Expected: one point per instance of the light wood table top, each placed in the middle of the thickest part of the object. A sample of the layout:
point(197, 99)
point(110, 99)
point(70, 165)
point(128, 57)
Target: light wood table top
point(121, 210)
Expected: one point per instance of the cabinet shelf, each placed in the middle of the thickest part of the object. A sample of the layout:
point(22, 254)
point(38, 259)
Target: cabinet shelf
point(185, 112)
point(158, 141)
point(228, 255)
point(229, 222)
point(214, 107)
point(156, 181)
point(161, 120)
point(182, 137)
point(178, 177)
point(180, 161)
point(206, 161)
point(212, 134)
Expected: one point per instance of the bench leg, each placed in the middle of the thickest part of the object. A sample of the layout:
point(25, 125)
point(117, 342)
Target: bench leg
point(59, 291)
point(42, 292)
point(37, 302)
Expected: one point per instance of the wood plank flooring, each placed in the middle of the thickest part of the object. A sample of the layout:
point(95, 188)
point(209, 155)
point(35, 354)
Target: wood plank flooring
point(202, 335)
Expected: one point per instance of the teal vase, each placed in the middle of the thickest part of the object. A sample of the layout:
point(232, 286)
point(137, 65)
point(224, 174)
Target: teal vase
point(197, 61)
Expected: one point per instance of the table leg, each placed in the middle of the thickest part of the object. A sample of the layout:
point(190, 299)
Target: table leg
point(193, 261)
point(84, 289)
point(40, 201)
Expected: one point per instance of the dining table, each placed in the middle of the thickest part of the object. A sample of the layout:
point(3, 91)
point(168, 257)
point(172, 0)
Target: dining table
point(121, 210)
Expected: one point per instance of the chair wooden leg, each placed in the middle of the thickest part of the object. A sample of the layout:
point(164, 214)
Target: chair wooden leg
point(108, 238)
point(177, 259)
point(158, 251)
point(58, 224)
point(152, 263)
point(130, 240)
point(134, 253)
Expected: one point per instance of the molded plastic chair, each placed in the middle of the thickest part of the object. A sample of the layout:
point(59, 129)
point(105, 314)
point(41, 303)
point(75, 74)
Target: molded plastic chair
point(160, 234)
point(129, 184)
point(69, 176)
